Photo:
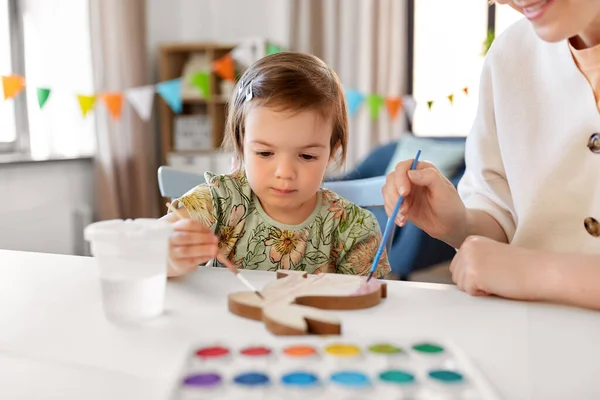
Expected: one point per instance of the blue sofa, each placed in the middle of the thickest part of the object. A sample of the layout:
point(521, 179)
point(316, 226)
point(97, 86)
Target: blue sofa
point(412, 249)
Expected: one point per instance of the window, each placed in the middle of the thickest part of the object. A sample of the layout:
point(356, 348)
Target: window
point(505, 17)
point(8, 43)
point(448, 55)
point(58, 56)
point(47, 42)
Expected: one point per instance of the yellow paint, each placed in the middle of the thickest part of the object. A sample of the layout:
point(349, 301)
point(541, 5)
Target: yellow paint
point(342, 350)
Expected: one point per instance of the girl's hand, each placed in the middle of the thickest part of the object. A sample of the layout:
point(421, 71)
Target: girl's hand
point(190, 244)
point(483, 267)
point(431, 202)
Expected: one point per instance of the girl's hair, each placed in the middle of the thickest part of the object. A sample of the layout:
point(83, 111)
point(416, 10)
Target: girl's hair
point(288, 82)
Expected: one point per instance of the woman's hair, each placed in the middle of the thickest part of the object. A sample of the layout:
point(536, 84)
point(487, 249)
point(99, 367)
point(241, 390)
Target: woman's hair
point(288, 82)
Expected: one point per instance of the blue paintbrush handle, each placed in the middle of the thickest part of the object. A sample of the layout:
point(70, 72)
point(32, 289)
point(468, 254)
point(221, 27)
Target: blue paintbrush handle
point(391, 222)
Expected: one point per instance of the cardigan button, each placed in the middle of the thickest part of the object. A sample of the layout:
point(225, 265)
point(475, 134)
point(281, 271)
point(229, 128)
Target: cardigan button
point(594, 143)
point(592, 226)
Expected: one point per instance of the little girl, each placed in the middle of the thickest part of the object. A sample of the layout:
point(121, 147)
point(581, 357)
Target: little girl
point(526, 216)
point(286, 122)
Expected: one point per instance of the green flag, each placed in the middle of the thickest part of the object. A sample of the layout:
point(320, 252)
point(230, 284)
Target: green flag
point(273, 48)
point(43, 95)
point(202, 81)
point(375, 103)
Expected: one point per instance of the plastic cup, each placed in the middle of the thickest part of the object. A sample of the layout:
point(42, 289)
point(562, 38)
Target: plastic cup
point(132, 258)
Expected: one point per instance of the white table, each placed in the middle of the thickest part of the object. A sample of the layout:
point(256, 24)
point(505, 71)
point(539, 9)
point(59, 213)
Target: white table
point(56, 343)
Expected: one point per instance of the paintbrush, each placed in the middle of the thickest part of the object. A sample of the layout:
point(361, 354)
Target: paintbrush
point(391, 222)
point(223, 259)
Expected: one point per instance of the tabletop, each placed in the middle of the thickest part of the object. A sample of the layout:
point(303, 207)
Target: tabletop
point(55, 340)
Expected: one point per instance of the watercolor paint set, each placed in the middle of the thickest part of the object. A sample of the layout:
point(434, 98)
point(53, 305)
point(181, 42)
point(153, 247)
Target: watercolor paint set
point(330, 368)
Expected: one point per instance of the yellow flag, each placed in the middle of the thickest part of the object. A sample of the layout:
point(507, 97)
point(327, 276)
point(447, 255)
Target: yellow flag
point(86, 103)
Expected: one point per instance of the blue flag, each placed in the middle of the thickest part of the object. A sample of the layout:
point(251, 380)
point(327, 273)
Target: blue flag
point(170, 91)
point(353, 99)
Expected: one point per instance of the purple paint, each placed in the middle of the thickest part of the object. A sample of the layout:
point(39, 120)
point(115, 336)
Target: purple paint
point(203, 380)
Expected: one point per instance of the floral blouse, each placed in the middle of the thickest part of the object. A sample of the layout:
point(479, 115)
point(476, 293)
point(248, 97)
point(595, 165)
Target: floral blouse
point(338, 237)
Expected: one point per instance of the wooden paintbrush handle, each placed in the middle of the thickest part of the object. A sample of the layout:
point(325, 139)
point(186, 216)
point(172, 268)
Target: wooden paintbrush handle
point(225, 261)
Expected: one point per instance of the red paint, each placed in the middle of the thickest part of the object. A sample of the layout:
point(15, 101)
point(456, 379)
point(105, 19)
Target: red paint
point(258, 351)
point(212, 352)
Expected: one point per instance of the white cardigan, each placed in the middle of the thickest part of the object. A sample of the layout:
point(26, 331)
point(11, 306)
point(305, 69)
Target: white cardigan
point(528, 164)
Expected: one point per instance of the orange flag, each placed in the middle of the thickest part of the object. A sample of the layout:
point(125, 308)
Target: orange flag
point(466, 90)
point(12, 85)
point(114, 103)
point(225, 67)
point(393, 104)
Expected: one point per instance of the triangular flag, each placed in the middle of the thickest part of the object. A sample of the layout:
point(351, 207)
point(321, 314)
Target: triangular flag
point(86, 103)
point(42, 94)
point(410, 105)
point(375, 103)
point(142, 98)
point(114, 103)
point(12, 85)
point(466, 90)
point(225, 67)
point(170, 91)
point(202, 81)
point(273, 48)
point(393, 105)
point(429, 104)
point(354, 100)
point(249, 51)
point(451, 98)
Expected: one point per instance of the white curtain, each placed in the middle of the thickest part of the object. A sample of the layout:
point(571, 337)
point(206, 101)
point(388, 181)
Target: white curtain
point(364, 41)
point(126, 160)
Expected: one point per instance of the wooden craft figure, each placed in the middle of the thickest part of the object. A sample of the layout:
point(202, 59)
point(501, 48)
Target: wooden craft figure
point(291, 303)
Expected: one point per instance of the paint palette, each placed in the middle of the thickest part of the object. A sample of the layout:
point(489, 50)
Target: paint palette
point(333, 368)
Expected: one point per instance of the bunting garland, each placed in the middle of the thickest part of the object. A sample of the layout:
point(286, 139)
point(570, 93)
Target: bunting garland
point(142, 98)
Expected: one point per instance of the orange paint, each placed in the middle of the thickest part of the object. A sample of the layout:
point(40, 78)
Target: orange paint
point(299, 351)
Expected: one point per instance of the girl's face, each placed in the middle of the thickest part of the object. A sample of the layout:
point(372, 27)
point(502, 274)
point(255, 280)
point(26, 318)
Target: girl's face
point(556, 20)
point(285, 157)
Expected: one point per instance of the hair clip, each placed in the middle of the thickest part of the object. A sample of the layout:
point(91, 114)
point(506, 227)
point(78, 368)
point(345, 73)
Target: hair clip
point(249, 92)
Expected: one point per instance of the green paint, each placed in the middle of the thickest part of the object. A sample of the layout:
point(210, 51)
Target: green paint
point(430, 348)
point(397, 376)
point(446, 376)
point(385, 348)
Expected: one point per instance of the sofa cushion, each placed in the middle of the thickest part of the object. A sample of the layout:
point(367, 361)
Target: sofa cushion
point(448, 155)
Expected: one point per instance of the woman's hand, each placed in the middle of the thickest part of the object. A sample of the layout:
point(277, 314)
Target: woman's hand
point(431, 202)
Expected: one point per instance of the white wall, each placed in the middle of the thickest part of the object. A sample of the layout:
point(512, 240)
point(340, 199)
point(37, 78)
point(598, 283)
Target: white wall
point(225, 21)
point(42, 203)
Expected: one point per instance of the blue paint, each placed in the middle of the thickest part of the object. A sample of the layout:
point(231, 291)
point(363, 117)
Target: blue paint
point(252, 379)
point(301, 379)
point(351, 378)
